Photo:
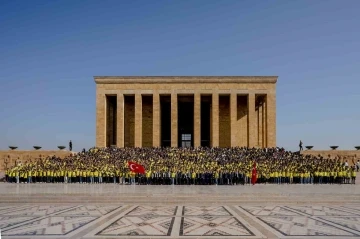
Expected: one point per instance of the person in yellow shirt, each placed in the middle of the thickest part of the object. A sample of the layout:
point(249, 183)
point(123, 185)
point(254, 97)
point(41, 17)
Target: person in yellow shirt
point(353, 176)
point(132, 178)
point(302, 177)
point(148, 177)
point(61, 176)
point(74, 178)
point(276, 176)
point(316, 177)
point(193, 177)
point(88, 177)
point(113, 175)
point(12, 176)
point(340, 177)
point(348, 176)
point(291, 177)
point(54, 173)
point(248, 178)
point(344, 173)
point(48, 176)
point(100, 176)
point(83, 176)
point(96, 176)
point(321, 175)
point(91, 176)
point(34, 176)
point(69, 175)
point(335, 176)
point(7, 176)
point(272, 179)
point(327, 176)
point(44, 174)
point(173, 175)
point(216, 177)
point(29, 176)
point(40, 176)
point(57, 175)
point(24, 176)
point(77, 178)
point(80, 175)
point(332, 173)
point(51, 177)
point(117, 175)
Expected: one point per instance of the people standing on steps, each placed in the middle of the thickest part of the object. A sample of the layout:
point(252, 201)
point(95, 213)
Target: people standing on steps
point(185, 166)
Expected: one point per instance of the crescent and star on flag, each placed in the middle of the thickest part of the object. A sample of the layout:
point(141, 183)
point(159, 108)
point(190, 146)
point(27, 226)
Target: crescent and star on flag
point(136, 168)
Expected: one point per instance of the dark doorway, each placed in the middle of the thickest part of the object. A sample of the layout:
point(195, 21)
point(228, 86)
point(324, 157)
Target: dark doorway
point(147, 121)
point(224, 121)
point(165, 111)
point(185, 121)
point(129, 121)
point(205, 120)
point(111, 108)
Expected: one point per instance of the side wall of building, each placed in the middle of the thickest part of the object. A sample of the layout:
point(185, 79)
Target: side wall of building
point(9, 157)
point(345, 155)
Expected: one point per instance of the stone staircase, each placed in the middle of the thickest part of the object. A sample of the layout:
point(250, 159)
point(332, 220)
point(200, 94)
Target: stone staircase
point(180, 195)
point(153, 200)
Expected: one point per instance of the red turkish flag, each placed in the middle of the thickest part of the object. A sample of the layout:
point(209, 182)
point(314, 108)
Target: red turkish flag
point(254, 175)
point(136, 168)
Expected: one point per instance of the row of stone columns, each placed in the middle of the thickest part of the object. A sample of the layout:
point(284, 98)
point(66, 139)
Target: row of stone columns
point(267, 122)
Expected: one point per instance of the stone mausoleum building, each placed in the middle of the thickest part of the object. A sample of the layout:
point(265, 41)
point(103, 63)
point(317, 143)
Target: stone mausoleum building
point(183, 111)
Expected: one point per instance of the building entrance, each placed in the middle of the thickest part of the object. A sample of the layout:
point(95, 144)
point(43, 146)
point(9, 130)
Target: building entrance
point(185, 121)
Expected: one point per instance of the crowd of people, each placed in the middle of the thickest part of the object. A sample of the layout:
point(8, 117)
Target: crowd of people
point(184, 166)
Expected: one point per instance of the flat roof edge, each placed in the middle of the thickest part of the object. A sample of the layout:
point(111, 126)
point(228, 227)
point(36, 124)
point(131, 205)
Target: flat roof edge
point(183, 79)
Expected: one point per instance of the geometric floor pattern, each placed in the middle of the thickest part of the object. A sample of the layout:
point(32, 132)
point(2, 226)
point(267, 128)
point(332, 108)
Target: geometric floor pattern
point(205, 211)
point(35, 211)
point(303, 226)
point(53, 225)
point(213, 226)
point(307, 221)
point(153, 211)
point(139, 226)
point(178, 221)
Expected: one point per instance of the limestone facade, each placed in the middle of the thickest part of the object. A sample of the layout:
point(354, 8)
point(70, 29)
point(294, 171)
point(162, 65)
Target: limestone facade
point(10, 157)
point(350, 156)
point(148, 111)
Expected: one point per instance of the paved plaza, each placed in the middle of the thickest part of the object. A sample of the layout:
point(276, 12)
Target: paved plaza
point(124, 211)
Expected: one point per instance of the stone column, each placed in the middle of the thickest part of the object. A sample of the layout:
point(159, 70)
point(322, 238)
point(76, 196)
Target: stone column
point(174, 120)
point(215, 120)
point(156, 120)
point(233, 119)
point(251, 120)
point(120, 121)
point(264, 122)
point(100, 120)
point(138, 120)
point(260, 125)
point(271, 120)
point(197, 120)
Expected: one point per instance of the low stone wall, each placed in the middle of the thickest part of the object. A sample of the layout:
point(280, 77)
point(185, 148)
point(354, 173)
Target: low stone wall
point(345, 155)
point(8, 158)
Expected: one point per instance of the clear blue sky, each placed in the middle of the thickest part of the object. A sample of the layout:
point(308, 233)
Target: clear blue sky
point(50, 51)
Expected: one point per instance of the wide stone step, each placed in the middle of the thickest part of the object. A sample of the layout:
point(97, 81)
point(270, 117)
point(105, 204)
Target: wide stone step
point(141, 199)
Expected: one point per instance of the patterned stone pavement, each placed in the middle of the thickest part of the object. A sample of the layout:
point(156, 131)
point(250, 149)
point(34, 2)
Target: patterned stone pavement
point(58, 211)
point(179, 221)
